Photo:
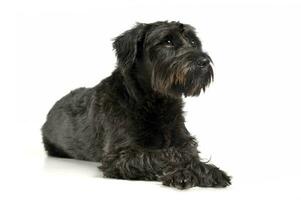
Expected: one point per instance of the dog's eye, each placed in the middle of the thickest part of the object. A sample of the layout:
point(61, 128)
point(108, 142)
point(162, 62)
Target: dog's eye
point(193, 43)
point(168, 42)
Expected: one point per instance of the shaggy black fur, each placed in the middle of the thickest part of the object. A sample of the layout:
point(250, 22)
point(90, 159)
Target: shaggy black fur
point(132, 122)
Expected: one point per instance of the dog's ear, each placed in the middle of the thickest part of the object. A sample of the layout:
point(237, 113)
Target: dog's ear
point(126, 46)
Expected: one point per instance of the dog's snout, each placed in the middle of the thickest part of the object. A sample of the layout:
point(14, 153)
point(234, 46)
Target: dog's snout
point(203, 62)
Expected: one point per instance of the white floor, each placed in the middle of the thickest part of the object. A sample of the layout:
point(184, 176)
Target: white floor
point(29, 174)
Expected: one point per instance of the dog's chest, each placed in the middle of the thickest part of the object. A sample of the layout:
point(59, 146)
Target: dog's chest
point(157, 123)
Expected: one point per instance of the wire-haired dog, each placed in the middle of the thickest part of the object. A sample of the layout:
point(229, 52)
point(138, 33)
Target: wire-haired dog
point(132, 122)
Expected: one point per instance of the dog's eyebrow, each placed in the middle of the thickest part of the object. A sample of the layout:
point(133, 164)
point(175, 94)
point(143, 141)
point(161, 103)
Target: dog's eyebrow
point(163, 33)
point(189, 34)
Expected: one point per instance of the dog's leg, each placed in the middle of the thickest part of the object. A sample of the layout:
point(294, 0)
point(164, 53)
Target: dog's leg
point(194, 172)
point(176, 167)
point(140, 164)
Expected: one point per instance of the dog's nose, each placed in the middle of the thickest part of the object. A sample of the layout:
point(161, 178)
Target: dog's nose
point(203, 62)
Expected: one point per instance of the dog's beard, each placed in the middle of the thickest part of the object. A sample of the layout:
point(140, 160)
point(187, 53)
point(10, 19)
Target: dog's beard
point(193, 82)
point(181, 78)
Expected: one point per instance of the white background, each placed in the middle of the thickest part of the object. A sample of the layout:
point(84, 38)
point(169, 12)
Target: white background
point(248, 121)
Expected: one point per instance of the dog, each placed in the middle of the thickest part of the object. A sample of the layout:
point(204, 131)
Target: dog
point(132, 122)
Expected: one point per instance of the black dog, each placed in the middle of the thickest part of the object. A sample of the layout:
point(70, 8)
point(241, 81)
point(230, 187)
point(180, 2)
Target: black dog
point(132, 122)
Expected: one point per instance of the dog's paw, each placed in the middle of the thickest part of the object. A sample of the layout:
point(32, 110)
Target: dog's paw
point(215, 178)
point(221, 178)
point(180, 179)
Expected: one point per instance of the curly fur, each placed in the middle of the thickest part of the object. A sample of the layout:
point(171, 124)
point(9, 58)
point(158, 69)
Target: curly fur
point(132, 121)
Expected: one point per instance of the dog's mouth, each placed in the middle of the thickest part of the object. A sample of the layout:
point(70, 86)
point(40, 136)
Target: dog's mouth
point(183, 78)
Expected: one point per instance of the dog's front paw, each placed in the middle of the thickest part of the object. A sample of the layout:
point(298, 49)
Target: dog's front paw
point(221, 178)
point(214, 178)
point(180, 179)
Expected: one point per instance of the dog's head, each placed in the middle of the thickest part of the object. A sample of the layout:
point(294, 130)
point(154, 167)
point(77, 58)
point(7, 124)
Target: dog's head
point(167, 56)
